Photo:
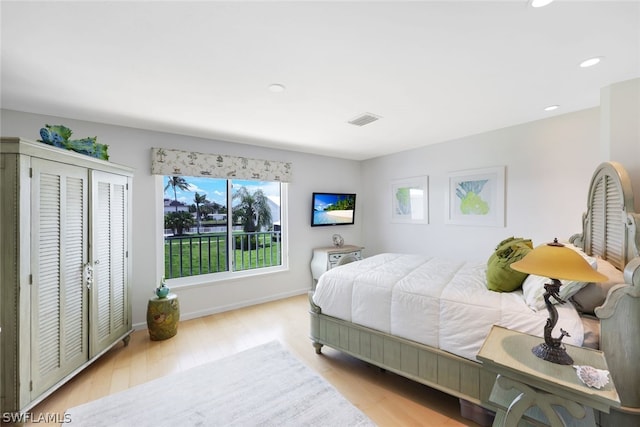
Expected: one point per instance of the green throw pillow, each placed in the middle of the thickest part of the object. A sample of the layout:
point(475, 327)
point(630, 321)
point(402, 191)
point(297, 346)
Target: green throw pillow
point(500, 276)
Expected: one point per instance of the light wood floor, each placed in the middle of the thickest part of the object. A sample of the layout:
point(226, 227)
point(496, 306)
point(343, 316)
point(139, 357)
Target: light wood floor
point(389, 400)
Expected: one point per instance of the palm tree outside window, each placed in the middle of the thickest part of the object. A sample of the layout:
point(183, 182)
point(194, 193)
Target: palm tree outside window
point(175, 183)
point(231, 225)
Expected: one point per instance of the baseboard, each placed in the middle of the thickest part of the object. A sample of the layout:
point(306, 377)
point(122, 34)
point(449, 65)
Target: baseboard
point(240, 304)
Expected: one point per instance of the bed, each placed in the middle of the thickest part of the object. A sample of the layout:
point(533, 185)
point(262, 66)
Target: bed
point(380, 310)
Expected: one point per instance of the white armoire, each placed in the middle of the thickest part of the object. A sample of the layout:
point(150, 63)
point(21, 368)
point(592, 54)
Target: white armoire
point(65, 266)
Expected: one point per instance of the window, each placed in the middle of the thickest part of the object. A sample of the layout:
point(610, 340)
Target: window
point(220, 226)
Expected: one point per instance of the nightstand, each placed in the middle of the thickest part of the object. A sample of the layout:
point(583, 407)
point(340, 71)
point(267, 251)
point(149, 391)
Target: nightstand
point(527, 386)
point(329, 257)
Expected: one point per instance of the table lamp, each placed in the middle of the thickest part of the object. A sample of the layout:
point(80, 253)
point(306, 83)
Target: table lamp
point(556, 261)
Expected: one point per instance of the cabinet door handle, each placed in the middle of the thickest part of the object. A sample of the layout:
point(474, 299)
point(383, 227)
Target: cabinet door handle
point(88, 274)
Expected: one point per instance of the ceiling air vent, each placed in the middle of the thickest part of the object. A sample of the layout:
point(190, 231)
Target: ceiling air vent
point(364, 119)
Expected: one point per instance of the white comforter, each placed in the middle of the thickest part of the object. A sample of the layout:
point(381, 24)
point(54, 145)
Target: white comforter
point(437, 302)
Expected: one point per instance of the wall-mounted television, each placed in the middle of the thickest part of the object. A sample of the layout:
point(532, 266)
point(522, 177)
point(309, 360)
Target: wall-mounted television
point(332, 209)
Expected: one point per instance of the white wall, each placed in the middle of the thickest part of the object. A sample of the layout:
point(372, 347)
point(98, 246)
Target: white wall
point(620, 134)
point(549, 164)
point(131, 147)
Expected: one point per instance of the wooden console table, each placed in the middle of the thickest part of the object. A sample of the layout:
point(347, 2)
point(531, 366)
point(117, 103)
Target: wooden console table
point(527, 386)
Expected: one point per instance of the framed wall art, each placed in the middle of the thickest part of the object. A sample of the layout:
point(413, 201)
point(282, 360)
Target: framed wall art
point(476, 197)
point(410, 200)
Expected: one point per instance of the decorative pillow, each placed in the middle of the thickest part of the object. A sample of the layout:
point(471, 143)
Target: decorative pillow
point(593, 294)
point(500, 276)
point(533, 286)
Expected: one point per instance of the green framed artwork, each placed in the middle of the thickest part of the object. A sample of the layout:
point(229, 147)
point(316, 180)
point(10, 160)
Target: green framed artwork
point(476, 197)
point(410, 200)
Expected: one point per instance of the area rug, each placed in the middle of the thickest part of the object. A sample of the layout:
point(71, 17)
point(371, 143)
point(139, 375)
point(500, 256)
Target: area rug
point(262, 386)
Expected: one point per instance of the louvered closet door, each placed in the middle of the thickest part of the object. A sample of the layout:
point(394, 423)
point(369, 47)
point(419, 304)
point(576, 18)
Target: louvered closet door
point(59, 310)
point(110, 313)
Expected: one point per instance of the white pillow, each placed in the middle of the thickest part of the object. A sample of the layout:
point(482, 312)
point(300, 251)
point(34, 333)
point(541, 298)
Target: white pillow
point(533, 286)
point(533, 290)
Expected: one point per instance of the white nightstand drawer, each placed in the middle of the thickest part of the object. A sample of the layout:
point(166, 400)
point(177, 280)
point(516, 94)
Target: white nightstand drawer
point(332, 256)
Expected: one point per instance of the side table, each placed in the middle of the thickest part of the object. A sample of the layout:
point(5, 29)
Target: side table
point(528, 386)
point(163, 315)
point(328, 257)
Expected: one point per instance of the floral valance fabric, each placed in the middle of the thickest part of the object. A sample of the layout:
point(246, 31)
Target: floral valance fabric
point(165, 161)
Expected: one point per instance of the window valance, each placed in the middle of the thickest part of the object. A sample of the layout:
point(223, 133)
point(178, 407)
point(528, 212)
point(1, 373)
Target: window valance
point(166, 161)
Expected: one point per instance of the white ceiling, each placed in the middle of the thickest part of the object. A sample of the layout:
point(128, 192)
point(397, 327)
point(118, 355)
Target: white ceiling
point(434, 71)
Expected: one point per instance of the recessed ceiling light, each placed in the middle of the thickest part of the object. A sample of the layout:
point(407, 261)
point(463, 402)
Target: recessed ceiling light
point(591, 62)
point(276, 87)
point(551, 107)
point(540, 3)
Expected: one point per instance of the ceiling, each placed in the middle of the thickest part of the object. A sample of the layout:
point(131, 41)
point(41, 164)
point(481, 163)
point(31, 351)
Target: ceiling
point(433, 71)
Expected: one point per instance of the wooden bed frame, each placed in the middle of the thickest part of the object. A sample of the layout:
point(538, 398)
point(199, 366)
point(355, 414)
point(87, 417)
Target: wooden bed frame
point(610, 231)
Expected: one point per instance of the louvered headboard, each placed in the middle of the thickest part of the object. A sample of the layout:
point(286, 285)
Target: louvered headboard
point(610, 230)
point(609, 224)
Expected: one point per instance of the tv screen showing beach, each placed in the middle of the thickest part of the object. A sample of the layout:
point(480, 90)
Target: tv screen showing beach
point(333, 209)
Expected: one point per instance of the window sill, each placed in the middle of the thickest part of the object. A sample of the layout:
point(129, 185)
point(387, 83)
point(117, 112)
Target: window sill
point(205, 280)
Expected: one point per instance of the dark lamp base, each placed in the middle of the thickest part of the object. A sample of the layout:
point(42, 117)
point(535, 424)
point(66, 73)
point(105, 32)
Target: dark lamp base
point(552, 354)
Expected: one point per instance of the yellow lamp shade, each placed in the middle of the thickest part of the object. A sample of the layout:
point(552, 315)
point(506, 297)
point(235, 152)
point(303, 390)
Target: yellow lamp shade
point(557, 261)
